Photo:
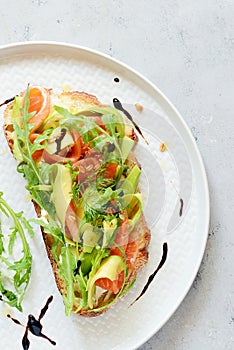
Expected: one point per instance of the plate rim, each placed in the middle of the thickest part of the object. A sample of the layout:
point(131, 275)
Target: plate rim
point(200, 163)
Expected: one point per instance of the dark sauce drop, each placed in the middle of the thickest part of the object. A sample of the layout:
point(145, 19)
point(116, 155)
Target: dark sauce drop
point(151, 277)
point(116, 80)
point(34, 326)
point(118, 105)
point(59, 140)
point(110, 148)
point(7, 101)
point(181, 207)
point(76, 271)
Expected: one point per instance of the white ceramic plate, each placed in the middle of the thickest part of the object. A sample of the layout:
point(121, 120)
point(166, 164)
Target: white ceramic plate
point(167, 177)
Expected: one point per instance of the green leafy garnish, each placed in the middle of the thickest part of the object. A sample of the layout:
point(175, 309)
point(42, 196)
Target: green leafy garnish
point(34, 176)
point(66, 267)
point(17, 272)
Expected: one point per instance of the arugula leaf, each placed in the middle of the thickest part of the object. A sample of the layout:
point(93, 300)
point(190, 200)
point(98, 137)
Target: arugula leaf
point(82, 282)
point(52, 228)
point(66, 263)
point(25, 150)
point(21, 268)
point(37, 144)
point(114, 124)
point(65, 260)
point(86, 126)
point(100, 110)
point(2, 249)
point(12, 238)
point(66, 268)
point(9, 297)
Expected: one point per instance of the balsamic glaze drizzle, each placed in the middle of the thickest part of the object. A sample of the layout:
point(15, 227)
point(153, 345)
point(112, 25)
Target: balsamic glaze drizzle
point(151, 277)
point(15, 320)
point(76, 271)
point(110, 147)
point(45, 308)
point(118, 105)
point(7, 101)
point(181, 207)
point(34, 326)
point(59, 140)
point(25, 340)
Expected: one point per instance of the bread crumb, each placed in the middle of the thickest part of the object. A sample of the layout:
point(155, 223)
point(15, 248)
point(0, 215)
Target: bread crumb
point(163, 147)
point(139, 107)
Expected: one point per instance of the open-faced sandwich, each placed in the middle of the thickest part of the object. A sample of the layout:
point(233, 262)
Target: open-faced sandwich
point(77, 158)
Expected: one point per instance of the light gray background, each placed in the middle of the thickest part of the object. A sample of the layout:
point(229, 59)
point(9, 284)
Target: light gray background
point(187, 49)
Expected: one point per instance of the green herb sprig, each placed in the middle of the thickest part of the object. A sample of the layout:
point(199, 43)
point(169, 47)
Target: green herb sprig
point(21, 268)
point(26, 149)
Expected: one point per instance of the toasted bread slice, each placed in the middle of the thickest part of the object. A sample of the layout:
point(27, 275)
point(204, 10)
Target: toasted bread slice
point(141, 233)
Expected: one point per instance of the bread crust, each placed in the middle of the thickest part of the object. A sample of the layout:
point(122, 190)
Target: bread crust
point(140, 233)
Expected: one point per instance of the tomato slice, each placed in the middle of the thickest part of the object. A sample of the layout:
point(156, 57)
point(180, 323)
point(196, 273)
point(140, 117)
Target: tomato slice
point(39, 102)
point(110, 170)
point(130, 248)
point(113, 286)
point(37, 155)
point(131, 255)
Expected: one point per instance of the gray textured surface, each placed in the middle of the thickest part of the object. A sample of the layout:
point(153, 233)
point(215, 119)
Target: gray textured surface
point(187, 49)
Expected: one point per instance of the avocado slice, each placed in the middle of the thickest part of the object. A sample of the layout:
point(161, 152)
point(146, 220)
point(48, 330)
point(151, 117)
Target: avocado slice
point(130, 184)
point(62, 187)
point(109, 228)
point(126, 147)
point(90, 237)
